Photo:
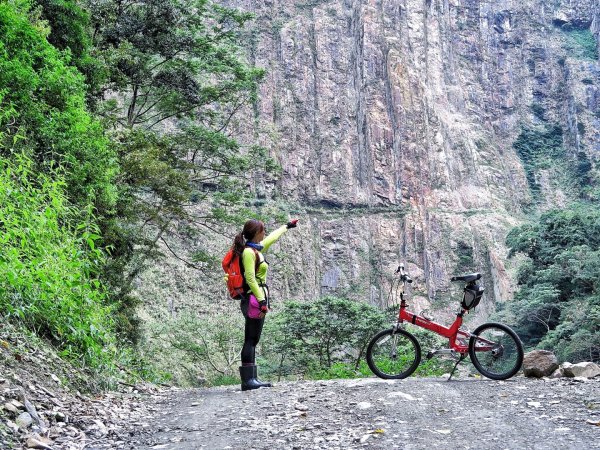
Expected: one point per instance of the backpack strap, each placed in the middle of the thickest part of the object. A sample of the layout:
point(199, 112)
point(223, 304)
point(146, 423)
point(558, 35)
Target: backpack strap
point(256, 265)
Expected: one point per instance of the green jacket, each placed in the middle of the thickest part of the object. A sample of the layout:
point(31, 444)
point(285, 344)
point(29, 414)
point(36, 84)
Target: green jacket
point(255, 278)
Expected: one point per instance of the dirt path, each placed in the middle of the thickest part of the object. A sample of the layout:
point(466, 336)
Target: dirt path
point(371, 413)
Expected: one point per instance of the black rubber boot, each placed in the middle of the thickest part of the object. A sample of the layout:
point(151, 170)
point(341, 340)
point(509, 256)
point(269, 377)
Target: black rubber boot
point(247, 374)
point(255, 376)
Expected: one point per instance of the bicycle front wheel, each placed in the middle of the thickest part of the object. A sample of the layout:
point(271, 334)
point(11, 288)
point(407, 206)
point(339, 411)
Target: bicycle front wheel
point(393, 355)
point(496, 351)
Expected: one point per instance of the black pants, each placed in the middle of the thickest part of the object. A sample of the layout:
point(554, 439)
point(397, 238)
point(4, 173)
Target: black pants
point(252, 333)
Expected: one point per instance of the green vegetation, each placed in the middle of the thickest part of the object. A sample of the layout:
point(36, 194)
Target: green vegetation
point(209, 347)
point(580, 43)
point(538, 111)
point(541, 148)
point(43, 114)
point(537, 148)
point(113, 120)
point(56, 172)
point(310, 338)
point(179, 79)
point(558, 305)
point(437, 365)
point(48, 266)
point(68, 30)
point(327, 338)
point(465, 257)
point(347, 370)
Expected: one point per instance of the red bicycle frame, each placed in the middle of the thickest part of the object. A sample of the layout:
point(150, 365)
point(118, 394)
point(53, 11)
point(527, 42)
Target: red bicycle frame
point(458, 339)
point(449, 332)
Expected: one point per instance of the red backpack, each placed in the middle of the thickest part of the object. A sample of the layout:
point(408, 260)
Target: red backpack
point(233, 267)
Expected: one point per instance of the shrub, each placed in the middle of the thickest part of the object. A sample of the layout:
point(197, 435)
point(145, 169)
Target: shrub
point(558, 305)
point(197, 348)
point(47, 266)
point(314, 337)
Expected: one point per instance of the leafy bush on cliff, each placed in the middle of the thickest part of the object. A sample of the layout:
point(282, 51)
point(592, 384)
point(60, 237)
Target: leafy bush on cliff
point(537, 147)
point(541, 148)
point(558, 305)
point(581, 43)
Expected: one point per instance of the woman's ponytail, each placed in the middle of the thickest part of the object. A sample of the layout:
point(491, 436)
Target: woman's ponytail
point(239, 244)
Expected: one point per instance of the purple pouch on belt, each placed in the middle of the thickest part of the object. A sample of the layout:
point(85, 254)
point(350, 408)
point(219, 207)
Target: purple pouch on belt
point(253, 308)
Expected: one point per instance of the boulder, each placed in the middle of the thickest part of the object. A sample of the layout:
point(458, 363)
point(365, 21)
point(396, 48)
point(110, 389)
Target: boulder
point(12, 408)
point(582, 369)
point(539, 363)
point(37, 441)
point(24, 420)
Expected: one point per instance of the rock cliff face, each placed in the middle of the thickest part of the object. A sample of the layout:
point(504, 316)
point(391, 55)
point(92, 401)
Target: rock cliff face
point(416, 131)
point(394, 123)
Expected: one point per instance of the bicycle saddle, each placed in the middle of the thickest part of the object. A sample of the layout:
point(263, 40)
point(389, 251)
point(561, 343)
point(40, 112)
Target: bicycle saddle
point(467, 278)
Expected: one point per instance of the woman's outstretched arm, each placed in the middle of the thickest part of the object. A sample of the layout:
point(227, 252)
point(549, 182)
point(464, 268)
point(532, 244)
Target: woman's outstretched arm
point(272, 238)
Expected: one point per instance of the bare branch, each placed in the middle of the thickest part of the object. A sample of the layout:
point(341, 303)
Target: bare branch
point(171, 58)
point(187, 263)
point(234, 110)
point(202, 224)
point(185, 110)
point(140, 113)
point(131, 108)
point(208, 358)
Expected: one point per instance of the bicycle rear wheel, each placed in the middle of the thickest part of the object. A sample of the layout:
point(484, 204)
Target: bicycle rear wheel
point(496, 351)
point(393, 355)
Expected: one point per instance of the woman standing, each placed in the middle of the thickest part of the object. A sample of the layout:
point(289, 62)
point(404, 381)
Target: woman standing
point(250, 245)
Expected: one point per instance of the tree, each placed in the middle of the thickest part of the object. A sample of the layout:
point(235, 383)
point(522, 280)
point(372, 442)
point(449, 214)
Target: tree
point(557, 306)
point(176, 78)
point(314, 335)
point(69, 31)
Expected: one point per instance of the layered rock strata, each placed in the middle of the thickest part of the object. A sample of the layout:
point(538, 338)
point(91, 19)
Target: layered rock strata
point(394, 123)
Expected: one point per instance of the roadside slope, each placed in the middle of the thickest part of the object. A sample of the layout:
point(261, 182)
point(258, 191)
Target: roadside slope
point(46, 401)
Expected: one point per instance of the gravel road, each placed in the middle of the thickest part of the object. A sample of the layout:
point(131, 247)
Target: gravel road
point(416, 413)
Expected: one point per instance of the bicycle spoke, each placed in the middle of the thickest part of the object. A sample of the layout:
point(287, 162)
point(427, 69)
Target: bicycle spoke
point(496, 351)
point(393, 355)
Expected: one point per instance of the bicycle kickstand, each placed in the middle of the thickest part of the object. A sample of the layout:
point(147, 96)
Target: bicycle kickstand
point(462, 356)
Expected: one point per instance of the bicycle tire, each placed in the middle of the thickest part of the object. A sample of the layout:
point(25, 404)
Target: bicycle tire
point(505, 359)
point(388, 365)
